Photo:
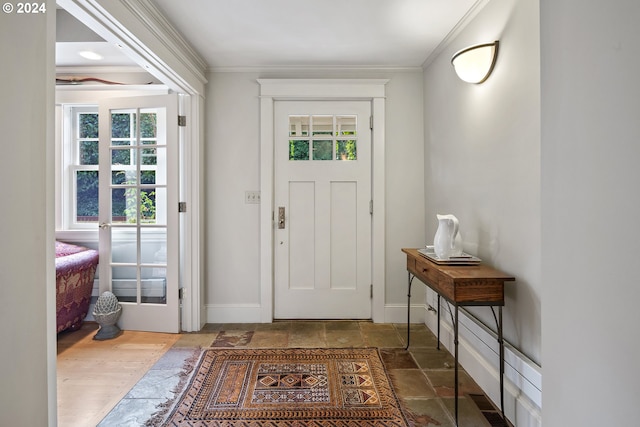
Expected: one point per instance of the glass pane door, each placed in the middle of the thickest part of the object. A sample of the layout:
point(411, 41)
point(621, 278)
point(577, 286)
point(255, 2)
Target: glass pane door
point(139, 227)
point(138, 206)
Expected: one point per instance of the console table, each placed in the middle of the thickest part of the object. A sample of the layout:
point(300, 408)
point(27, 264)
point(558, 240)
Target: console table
point(460, 285)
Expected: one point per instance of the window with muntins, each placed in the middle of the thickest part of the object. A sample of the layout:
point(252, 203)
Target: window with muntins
point(80, 157)
point(325, 137)
point(132, 166)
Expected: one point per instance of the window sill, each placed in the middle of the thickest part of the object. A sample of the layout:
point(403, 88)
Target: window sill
point(79, 236)
point(91, 236)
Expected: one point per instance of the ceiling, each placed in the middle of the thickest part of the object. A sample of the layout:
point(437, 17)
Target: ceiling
point(73, 37)
point(297, 33)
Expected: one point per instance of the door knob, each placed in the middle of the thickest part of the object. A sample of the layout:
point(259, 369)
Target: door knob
point(281, 217)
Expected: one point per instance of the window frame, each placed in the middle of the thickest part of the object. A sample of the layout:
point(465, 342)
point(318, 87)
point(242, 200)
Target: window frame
point(70, 165)
point(303, 132)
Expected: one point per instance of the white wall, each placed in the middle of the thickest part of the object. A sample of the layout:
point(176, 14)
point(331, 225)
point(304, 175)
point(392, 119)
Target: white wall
point(232, 167)
point(27, 274)
point(482, 163)
point(590, 210)
point(482, 159)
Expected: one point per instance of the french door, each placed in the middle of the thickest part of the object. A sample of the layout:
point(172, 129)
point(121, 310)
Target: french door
point(322, 225)
point(138, 219)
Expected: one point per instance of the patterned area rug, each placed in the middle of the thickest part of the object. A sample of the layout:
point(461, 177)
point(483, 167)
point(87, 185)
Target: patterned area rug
point(289, 387)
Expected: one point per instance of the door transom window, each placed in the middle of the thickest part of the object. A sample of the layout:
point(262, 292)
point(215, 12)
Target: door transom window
point(323, 137)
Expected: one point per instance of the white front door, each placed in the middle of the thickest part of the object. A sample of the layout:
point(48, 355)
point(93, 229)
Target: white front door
point(138, 197)
point(322, 220)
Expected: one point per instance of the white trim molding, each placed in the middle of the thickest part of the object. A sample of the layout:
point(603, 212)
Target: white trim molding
point(478, 355)
point(335, 89)
point(140, 30)
point(473, 11)
point(272, 90)
point(234, 313)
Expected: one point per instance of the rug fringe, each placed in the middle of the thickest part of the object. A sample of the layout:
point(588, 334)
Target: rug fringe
point(158, 417)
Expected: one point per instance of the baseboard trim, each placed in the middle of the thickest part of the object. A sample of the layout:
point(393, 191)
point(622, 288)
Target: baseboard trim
point(250, 313)
point(397, 313)
point(233, 313)
point(478, 354)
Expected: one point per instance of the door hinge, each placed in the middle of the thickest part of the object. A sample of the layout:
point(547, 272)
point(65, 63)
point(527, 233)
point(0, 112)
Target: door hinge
point(180, 293)
point(371, 122)
point(370, 207)
point(182, 121)
point(182, 207)
point(371, 291)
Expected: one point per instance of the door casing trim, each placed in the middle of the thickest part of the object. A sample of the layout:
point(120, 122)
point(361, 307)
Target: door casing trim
point(272, 90)
point(145, 36)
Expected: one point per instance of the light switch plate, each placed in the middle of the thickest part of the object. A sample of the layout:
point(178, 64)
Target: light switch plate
point(252, 197)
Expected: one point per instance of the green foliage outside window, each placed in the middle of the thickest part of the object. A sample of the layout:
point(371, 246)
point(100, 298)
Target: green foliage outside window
point(123, 200)
point(322, 149)
point(87, 195)
point(88, 125)
point(346, 150)
point(298, 150)
point(148, 125)
point(147, 206)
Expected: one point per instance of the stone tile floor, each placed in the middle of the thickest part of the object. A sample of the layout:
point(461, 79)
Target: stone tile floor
point(423, 376)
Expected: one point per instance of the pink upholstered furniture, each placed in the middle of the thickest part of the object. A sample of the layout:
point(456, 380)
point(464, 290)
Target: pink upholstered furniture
point(75, 270)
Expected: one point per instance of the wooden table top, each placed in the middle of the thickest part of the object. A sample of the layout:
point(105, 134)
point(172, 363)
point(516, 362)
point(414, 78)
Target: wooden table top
point(461, 284)
point(463, 271)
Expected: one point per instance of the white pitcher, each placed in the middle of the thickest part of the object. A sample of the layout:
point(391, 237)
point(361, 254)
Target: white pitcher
point(447, 241)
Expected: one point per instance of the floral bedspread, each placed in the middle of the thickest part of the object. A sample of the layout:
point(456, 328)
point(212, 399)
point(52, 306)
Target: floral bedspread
point(75, 271)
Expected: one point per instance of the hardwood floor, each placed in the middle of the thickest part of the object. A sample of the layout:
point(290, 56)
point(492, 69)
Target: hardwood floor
point(94, 375)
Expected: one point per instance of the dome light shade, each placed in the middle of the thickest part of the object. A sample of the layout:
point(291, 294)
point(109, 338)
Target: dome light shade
point(474, 64)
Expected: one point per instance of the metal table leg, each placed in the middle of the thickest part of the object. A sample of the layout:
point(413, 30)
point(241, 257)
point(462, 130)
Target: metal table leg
point(410, 281)
point(455, 343)
point(438, 311)
point(498, 320)
point(501, 341)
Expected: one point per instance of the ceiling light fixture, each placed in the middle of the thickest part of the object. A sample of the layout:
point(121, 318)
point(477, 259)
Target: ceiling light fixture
point(87, 54)
point(475, 63)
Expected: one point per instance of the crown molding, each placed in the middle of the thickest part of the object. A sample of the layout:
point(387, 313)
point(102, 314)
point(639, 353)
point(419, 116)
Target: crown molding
point(140, 29)
point(153, 19)
point(316, 69)
point(455, 31)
